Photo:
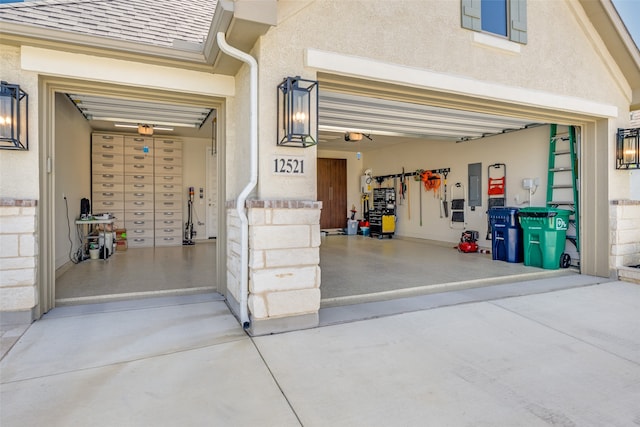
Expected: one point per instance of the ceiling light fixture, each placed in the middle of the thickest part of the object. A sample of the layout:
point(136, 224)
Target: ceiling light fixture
point(136, 126)
point(356, 136)
point(145, 130)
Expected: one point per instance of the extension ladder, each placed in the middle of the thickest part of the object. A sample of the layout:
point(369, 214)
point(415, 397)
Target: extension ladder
point(562, 180)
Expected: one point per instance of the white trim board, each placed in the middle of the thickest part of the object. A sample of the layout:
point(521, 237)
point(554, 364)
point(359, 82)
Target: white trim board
point(117, 71)
point(370, 69)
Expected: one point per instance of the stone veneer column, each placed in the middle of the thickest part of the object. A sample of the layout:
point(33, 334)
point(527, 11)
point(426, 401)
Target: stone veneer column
point(284, 258)
point(18, 253)
point(624, 219)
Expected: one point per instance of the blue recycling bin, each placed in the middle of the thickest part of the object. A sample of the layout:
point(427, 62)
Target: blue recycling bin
point(506, 234)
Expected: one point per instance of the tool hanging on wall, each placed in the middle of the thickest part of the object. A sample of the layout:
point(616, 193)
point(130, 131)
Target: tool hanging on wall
point(418, 177)
point(406, 190)
point(445, 204)
point(496, 190)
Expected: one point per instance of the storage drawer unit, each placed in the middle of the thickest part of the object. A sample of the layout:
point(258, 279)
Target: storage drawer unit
point(99, 187)
point(131, 224)
point(168, 205)
point(139, 180)
point(102, 143)
point(167, 196)
point(107, 165)
point(132, 206)
point(139, 242)
point(161, 170)
point(168, 191)
point(101, 166)
point(138, 195)
point(169, 241)
point(137, 186)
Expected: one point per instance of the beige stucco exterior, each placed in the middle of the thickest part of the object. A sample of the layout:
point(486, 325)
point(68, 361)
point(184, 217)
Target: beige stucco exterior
point(404, 50)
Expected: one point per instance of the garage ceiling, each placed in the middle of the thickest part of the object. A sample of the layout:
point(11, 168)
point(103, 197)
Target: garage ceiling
point(105, 113)
point(387, 122)
point(390, 122)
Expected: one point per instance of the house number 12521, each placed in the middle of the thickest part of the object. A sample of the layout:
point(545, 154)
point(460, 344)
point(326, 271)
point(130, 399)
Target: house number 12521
point(288, 165)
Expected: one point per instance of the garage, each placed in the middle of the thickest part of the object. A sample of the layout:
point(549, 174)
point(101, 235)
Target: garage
point(382, 135)
point(460, 102)
point(389, 138)
point(149, 221)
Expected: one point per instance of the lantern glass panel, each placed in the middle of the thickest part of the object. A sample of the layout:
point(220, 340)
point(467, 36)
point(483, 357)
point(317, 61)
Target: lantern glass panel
point(300, 113)
point(629, 151)
point(6, 117)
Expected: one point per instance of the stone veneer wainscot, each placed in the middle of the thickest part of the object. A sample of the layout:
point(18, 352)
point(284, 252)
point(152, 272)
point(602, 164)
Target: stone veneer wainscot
point(18, 252)
point(624, 219)
point(284, 258)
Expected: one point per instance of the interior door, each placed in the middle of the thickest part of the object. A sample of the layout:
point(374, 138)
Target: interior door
point(332, 192)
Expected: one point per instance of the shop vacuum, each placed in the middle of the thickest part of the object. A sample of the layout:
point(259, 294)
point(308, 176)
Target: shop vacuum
point(189, 232)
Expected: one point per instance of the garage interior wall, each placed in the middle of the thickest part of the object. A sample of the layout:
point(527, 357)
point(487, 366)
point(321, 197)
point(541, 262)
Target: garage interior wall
point(72, 173)
point(525, 153)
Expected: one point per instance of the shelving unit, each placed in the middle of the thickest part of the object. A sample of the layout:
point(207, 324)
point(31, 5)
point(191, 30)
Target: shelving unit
point(382, 219)
point(87, 229)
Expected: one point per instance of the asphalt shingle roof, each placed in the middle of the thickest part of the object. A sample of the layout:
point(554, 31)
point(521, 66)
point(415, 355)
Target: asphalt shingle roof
point(155, 22)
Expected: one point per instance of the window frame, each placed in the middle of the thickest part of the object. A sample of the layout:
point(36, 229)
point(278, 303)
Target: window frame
point(516, 17)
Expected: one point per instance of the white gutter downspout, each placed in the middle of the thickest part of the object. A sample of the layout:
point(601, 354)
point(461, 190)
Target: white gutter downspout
point(253, 180)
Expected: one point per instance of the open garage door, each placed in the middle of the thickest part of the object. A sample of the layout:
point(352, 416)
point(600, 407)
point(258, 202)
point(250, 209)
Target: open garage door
point(407, 131)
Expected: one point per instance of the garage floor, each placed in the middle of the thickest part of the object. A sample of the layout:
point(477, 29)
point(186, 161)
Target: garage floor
point(359, 269)
point(355, 269)
point(141, 272)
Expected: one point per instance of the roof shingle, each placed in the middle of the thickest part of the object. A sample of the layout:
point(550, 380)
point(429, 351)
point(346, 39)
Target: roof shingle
point(157, 22)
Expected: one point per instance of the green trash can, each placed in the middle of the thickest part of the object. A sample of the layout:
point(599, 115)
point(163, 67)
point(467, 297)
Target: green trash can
point(544, 235)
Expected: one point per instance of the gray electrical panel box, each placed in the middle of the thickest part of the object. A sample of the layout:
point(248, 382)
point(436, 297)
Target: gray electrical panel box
point(475, 185)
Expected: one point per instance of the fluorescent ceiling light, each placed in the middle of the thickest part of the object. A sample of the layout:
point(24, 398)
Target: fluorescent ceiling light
point(135, 126)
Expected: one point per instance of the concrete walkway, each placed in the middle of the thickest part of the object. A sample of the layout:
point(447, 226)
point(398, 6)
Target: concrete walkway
point(569, 358)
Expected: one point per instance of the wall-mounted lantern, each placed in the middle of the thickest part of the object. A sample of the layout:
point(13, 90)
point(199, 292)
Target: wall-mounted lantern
point(628, 149)
point(297, 112)
point(14, 120)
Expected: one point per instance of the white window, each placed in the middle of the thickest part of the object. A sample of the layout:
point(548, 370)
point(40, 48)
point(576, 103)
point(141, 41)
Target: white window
point(507, 18)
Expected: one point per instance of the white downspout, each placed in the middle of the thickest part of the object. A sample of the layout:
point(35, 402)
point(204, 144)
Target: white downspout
point(253, 180)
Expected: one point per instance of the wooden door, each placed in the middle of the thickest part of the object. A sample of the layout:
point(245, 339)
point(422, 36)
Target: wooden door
point(332, 192)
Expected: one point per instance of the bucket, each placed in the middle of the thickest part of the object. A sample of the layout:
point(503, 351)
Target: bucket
point(365, 231)
point(94, 253)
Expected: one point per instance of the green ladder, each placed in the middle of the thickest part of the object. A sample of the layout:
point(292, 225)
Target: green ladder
point(563, 191)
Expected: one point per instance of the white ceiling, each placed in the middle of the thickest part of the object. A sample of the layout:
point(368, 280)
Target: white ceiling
point(393, 122)
point(387, 122)
point(104, 112)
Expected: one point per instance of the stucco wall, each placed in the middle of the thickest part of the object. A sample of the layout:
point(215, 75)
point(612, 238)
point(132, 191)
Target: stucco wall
point(564, 56)
point(19, 169)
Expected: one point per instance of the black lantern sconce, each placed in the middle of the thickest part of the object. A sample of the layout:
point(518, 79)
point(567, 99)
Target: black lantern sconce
point(14, 120)
point(628, 149)
point(297, 112)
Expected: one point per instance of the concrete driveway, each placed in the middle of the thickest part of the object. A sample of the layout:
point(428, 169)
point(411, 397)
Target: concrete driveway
point(568, 357)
